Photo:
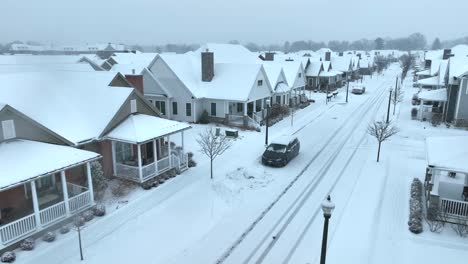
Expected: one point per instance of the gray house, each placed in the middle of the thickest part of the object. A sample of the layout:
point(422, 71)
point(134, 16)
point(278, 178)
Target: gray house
point(456, 81)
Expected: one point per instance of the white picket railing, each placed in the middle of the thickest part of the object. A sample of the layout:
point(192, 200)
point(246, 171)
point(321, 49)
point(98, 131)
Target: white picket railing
point(148, 170)
point(52, 213)
point(17, 229)
point(454, 208)
point(126, 171)
point(163, 164)
point(79, 202)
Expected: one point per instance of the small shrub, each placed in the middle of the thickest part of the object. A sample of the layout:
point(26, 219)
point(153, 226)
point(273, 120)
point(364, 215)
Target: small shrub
point(88, 215)
point(436, 119)
point(414, 112)
point(204, 119)
point(191, 162)
point(8, 257)
point(460, 227)
point(415, 219)
point(99, 210)
point(435, 219)
point(79, 221)
point(146, 185)
point(49, 237)
point(64, 229)
point(27, 244)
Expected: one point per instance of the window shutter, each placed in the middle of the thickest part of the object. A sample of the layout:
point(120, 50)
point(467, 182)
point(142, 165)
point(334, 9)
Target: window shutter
point(133, 106)
point(8, 128)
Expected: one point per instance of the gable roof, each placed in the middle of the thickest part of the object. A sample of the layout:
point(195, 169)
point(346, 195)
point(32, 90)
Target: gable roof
point(75, 105)
point(341, 63)
point(42, 159)
point(231, 81)
point(447, 152)
point(229, 53)
point(139, 128)
point(273, 71)
point(291, 70)
point(314, 69)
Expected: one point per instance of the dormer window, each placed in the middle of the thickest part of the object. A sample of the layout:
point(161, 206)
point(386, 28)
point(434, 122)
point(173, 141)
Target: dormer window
point(299, 75)
point(259, 82)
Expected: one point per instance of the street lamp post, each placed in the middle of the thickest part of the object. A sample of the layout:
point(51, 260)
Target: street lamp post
point(347, 89)
point(266, 121)
point(327, 207)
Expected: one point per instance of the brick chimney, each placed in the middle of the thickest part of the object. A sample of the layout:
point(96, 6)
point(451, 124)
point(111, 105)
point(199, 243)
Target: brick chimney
point(207, 66)
point(327, 56)
point(136, 80)
point(270, 56)
point(447, 54)
point(359, 55)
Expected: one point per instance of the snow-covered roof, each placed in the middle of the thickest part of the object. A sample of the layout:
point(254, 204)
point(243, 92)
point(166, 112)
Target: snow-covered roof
point(460, 50)
point(140, 128)
point(2, 105)
point(341, 63)
point(458, 66)
point(424, 72)
point(314, 68)
point(132, 58)
point(433, 81)
point(128, 68)
point(5, 68)
point(283, 140)
point(273, 71)
point(23, 160)
point(291, 70)
point(231, 81)
point(448, 153)
point(330, 73)
point(282, 88)
point(39, 59)
point(75, 105)
point(229, 53)
point(438, 95)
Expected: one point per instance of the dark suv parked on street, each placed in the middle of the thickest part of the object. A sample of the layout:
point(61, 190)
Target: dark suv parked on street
point(281, 151)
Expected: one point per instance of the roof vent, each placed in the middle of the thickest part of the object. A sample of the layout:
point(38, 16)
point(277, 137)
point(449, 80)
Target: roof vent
point(133, 106)
point(8, 129)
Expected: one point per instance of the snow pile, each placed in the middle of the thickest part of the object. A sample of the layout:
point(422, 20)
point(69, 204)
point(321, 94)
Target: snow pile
point(240, 180)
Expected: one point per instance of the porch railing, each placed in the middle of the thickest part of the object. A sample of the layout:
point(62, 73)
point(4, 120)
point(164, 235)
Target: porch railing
point(454, 208)
point(148, 170)
point(79, 202)
point(52, 213)
point(74, 189)
point(18, 229)
point(127, 171)
point(163, 164)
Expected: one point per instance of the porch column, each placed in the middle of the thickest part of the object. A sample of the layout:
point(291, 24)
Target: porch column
point(65, 192)
point(254, 107)
point(114, 172)
point(182, 137)
point(90, 182)
point(35, 204)
point(140, 172)
point(194, 113)
point(156, 154)
point(169, 150)
point(245, 108)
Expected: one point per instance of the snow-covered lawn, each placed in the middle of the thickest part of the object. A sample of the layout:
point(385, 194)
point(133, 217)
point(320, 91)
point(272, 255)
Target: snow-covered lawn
point(190, 219)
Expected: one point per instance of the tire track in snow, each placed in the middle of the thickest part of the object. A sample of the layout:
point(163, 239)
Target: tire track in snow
point(228, 252)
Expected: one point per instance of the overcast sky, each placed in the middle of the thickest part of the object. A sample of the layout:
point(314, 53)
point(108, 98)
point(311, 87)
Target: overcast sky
point(261, 21)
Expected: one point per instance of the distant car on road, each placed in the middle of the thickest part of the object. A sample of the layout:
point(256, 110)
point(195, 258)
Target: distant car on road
point(281, 151)
point(358, 89)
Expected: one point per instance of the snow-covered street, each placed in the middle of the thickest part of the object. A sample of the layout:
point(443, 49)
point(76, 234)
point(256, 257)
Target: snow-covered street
point(255, 214)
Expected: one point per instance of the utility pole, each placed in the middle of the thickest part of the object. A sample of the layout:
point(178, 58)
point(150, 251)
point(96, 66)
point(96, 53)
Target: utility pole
point(326, 101)
point(347, 89)
point(292, 116)
point(395, 95)
point(389, 101)
point(79, 241)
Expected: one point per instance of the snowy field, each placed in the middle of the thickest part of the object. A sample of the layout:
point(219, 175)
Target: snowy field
point(191, 219)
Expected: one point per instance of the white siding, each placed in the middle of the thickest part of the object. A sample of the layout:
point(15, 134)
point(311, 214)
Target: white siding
point(260, 92)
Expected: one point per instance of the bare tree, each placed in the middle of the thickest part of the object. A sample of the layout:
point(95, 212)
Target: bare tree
point(212, 146)
point(382, 131)
point(435, 218)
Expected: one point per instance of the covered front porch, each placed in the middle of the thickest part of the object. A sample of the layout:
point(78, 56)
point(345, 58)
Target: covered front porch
point(432, 104)
point(250, 112)
point(31, 204)
point(144, 147)
point(446, 181)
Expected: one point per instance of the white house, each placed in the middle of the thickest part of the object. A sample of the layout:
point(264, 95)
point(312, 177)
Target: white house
point(226, 81)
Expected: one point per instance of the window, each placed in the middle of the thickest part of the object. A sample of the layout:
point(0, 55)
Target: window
point(240, 107)
point(8, 127)
point(133, 106)
point(123, 152)
point(278, 99)
point(188, 109)
point(174, 108)
point(299, 75)
point(213, 109)
point(259, 82)
point(161, 106)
